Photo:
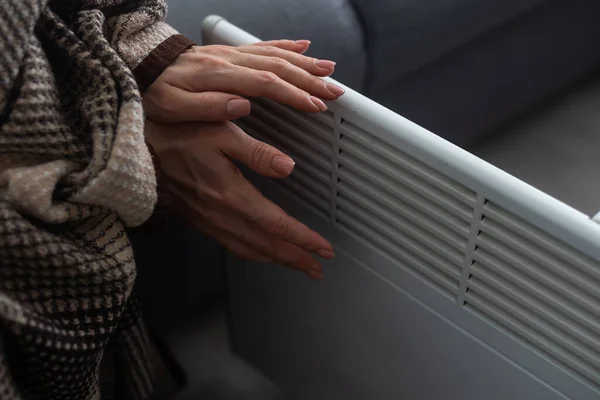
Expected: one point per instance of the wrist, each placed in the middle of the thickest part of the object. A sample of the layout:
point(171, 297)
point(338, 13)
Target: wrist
point(159, 59)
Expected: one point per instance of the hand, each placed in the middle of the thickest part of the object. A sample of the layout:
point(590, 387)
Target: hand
point(214, 195)
point(207, 83)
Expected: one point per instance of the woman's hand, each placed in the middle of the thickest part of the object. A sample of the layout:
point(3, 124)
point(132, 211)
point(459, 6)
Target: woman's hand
point(214, 195)
point(207, 83)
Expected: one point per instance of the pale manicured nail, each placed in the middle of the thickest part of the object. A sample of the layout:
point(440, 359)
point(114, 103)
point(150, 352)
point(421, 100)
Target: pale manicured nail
point(283, 165)
point(336, 90)
point(303, 42)
point(325, 64)
point(238, 108)
point(326, 254)
point(318, 103)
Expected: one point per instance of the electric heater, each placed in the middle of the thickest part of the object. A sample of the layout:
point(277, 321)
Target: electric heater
point(453, 279)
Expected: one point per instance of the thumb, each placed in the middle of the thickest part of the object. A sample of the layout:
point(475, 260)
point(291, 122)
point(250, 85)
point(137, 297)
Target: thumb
point(259, 156)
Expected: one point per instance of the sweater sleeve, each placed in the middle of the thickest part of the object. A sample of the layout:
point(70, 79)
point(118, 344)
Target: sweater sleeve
point(136, 27)
point(142, 39)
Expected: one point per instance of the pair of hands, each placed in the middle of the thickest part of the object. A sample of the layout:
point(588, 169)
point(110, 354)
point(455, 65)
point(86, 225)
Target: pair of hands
point(189, 108)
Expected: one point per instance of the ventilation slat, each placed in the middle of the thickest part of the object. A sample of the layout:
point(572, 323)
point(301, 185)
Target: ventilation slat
point(535, 306)
point(298, 191)
point(543, 240)
point(527, 252)
point(408, 204)
point(533, 287)
point(540, 344)
point(320, 123)
point(537, 273)
point(316, 139)
point(407, 239)
point(318, 188)
point(292, 135)
point(444, 283)
point(378, 148)
point(325, 117)
point(262, 132)
point(434, 245)
point(405, 186)
point(405, 219)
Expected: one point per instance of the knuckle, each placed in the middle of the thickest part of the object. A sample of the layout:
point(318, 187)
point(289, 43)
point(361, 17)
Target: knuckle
point(221, 49)
point(209, 103)
point(158, 97)
point(260, 153)
point(280, 227)
point(209, 61)
point(279, 64)
point(266, 249)
point(208, 193)
point(224, 52)
point(268, 78)
point(229, 198)
point(306, 243)
point(269, 50)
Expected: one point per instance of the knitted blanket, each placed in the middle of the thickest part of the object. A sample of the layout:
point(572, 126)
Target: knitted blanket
point(74, 173)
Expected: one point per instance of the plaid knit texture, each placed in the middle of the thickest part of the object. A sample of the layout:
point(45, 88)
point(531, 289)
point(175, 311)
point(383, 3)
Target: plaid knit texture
point(74, 172)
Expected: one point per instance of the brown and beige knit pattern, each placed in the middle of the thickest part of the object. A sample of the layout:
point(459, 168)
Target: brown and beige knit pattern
point(74, 172)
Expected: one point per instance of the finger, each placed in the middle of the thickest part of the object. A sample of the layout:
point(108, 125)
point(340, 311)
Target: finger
point(296, 258)
point(178, 105)
point(290, 73)
point(276, 222)
point(254, 207)
point(258, 156)
point(237, 247)
point(212, 106)
point(312, 65)
point(297, 46)
point(211, 73)
point(247, 235)
point(252, 83)
point(249, 204)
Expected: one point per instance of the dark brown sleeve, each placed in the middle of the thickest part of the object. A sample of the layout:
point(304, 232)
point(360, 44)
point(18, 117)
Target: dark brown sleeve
point(159, 59)
point(145, 74)
point(162, 210)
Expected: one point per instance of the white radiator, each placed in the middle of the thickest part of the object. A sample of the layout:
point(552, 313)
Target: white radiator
point(454, 280)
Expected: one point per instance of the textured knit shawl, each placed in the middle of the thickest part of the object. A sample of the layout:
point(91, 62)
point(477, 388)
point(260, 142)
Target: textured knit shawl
point(74, 172)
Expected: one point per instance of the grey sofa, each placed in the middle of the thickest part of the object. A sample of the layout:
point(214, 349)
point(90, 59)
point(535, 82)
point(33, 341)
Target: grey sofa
point(457, 67)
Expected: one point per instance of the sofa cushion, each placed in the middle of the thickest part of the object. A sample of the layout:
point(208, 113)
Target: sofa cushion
point(403, 35)
point(332, 26)
point(467, 92)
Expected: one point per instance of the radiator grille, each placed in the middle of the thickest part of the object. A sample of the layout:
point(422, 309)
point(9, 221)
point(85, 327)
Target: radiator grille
point(539, 290)
point(404, 208)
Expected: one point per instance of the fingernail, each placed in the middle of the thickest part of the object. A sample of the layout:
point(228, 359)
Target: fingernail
point(238, 108)
point(336, 90)
point(325, 64)
point(318, 103)
point(314, 275)
point(303, 42)
point(283, 165)
point(326, 254)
